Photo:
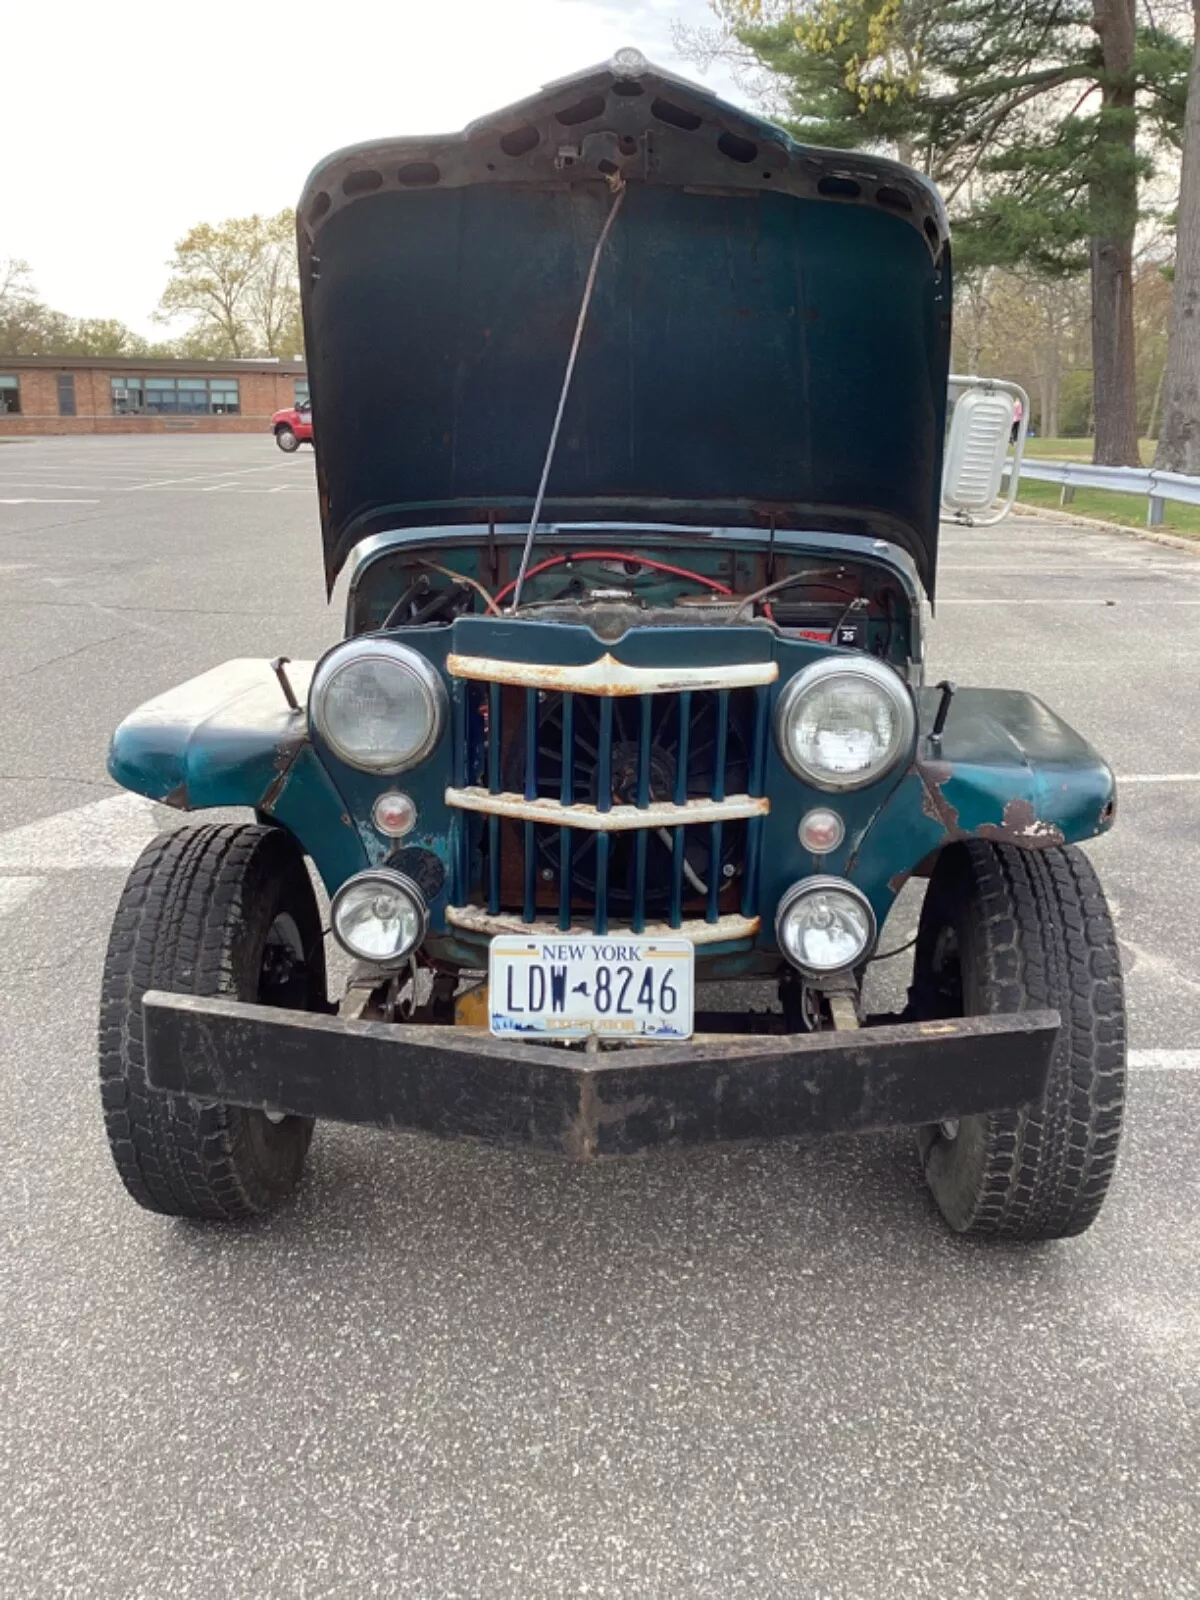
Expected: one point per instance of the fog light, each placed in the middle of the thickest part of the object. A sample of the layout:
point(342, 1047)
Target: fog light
point(379, 916)
point(824, 925)
point(821, 831)
point(395, 814)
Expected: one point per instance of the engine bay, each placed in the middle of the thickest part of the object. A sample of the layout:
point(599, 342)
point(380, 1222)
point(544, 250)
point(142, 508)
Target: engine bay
point(622, 581)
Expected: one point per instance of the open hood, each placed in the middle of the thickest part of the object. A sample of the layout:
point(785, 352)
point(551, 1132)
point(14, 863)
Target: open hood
point(768, 342)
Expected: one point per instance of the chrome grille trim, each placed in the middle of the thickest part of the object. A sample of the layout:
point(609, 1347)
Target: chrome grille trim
point(609, 677)
point(726, 929)
point(620, 819)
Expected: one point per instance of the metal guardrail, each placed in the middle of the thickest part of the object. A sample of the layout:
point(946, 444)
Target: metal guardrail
point(1157, 487)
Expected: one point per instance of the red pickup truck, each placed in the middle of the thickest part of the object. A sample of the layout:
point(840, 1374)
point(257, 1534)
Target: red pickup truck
point(293, 427)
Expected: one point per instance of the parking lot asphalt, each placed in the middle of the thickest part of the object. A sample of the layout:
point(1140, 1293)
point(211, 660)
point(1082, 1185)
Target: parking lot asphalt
point(448, 1371)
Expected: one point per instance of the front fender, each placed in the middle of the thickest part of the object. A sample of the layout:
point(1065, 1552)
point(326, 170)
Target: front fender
point(229, 738)
point(1007, 769)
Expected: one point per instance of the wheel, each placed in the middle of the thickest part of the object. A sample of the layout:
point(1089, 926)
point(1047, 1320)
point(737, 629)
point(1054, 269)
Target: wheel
point(1014, 930)
point(225, 910)
point(286, 440)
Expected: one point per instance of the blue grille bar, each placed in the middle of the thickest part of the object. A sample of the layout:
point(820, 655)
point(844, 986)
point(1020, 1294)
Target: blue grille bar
point(604, 800)
point(460, 822)
point(715, 863)
point(758, 764)
point(675, 915)
point(643, 799)
point(494, 786)
point(566, 794)
point(531, 744)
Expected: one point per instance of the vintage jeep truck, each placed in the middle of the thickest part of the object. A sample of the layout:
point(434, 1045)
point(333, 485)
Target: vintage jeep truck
point(631, 421)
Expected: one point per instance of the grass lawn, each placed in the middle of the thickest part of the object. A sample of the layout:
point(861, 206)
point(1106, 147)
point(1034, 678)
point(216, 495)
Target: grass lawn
point(1076, 450)
point(1127, 509)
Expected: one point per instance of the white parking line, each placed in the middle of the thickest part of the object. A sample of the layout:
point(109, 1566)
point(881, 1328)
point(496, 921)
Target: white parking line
point(104, 833)
point(207, 477)
point(14, 892)
point(1165, 1060)
point(32, 500)
point(1158, 777)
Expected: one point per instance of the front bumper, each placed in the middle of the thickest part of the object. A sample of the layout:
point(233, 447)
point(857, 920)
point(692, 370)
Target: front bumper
point(457, 1083)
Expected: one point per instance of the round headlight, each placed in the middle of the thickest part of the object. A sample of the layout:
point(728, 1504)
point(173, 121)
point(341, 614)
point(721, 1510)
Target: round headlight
point(824, 925)
point(379, 916)
point(379, 706)
point(842, 724)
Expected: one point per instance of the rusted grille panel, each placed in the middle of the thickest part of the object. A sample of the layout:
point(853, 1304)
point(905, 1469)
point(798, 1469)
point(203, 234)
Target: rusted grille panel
point(609, 758)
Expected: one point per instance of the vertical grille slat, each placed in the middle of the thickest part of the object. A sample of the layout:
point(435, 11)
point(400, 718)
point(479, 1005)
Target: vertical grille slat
point(603, 803)
point(758, 763)
point(566, 793)
point(643, 799)
point(495, 785)
point(460, 822)
point(531, 789)
point(604, 757)
point(682, 753)
point(720, 755)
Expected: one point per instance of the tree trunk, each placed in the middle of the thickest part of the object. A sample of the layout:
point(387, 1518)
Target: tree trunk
point(1179, 433)
point(1113, 196)
point(1051, 388)
point(1156, 410)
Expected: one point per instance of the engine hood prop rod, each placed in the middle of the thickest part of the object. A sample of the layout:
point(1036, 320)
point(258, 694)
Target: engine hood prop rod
point(617, 184)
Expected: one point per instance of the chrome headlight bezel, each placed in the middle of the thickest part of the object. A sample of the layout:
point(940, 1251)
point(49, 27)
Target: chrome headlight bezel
point(345, 656)
point(385, 878)
point(880, 677)
point(805, 889)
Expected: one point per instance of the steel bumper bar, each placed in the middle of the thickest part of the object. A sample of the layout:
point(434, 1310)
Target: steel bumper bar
point(457, 1083)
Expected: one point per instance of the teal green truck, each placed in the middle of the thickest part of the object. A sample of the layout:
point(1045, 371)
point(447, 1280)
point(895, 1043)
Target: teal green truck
point(628, 414)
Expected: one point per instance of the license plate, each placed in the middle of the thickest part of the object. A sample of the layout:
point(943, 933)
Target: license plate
point(570, 988)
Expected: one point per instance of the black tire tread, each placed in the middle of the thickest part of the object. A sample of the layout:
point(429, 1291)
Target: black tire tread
point(181, 925)
point(1039, 934)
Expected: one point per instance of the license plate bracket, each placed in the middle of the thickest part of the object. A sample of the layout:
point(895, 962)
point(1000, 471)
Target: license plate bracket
point(567, 987)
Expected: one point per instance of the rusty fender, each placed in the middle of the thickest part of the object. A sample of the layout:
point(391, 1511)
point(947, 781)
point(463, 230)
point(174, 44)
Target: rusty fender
point(1019, 824)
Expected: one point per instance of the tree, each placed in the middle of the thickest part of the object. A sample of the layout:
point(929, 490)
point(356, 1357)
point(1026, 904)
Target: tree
point(238, 283)
point(1038, 119)
point(22, 316)
point(1028, 327)
point(274, 308)
point(30, 328)
point(1179, 434)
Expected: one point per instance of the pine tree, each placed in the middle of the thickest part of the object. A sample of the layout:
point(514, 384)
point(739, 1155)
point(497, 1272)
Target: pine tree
point(1038, 119)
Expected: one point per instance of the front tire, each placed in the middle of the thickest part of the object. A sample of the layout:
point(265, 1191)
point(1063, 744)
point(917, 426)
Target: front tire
point(215, 910)
point(1006, 930)
point(286, 440)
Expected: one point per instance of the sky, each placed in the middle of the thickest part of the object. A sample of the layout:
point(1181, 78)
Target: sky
point(127, 121)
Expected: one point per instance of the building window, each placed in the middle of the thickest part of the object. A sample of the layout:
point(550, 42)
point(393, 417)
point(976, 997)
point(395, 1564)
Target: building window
point(175, 397)
point(66, 394)
point(10, 395)
point(300, 393)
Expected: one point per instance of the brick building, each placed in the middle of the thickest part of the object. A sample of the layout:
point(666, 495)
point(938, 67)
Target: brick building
point(105, 394)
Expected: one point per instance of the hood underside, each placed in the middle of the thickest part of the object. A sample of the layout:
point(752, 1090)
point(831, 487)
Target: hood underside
point(768, 342)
